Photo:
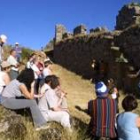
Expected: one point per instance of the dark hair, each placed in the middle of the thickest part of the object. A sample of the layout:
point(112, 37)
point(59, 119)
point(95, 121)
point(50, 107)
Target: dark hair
point(47, 63)
point(11, 51)
point(26, 77)
point(48, 79)
point(53, 80)
point(129, 103)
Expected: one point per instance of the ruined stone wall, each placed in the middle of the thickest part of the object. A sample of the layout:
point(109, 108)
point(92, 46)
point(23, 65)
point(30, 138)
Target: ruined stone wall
point(77, 54)
point(128, 15)
point(129, 42)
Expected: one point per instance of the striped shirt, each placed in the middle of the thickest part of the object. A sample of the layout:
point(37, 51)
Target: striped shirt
point(103, 117)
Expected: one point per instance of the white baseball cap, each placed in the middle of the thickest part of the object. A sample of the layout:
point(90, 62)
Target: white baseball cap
point(3, 38)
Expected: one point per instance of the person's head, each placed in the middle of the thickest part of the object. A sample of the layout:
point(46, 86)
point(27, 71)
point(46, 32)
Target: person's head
point(101, 89)
point(110, 82)
point(13, 52)
point(31, 57)
point(3, 39)
point(5, 66)
point(26, 77)
point(129, 103)
point(16, 44)
point(53, 81)
point(47, 63)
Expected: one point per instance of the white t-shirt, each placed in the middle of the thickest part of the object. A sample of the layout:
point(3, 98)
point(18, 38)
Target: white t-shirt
point(46, 72)
point(49, 100)
point(12, 89)
point(35, 69)
point(12, 61)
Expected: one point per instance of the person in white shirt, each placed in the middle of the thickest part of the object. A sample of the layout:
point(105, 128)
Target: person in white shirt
point(37, 73)
point(14, 64)
point(4, 77)
point(3, 40)
point(30, 60)
point(48, 68)
point(51, 105)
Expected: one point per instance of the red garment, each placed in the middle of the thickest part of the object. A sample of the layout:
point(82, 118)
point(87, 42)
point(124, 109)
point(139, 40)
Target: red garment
point(40, 66)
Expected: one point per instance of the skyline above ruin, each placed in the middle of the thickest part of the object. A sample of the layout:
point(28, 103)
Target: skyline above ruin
point(32, 23)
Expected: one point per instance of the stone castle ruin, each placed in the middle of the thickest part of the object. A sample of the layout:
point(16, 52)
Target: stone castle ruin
point(118, 49)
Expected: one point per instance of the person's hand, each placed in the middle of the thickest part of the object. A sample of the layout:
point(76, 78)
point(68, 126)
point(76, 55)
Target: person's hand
point(38, 96)
point(115, 90)
point(62, 95)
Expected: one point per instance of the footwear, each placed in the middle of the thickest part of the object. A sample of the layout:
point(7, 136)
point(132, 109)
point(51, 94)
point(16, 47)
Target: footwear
point(42, 127)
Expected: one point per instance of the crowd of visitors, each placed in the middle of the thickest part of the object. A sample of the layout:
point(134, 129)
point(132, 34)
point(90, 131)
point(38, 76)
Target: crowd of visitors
point(37, 88)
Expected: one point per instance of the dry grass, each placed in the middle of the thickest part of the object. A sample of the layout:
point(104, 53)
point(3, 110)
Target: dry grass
point(79, 90)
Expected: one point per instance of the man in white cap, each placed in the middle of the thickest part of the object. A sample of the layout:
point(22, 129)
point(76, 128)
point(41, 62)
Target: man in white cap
point(3, 40)
point(18, 50)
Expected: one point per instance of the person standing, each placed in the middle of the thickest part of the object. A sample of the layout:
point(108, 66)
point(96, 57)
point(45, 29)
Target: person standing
point(3, 40)
point(14, 64)
point(18, 50)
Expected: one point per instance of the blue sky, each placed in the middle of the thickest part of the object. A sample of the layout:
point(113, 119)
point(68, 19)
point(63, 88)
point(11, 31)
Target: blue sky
point(32, 22)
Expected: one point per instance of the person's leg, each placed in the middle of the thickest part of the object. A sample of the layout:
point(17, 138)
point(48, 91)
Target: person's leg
point(60, 117)
point(14, 104)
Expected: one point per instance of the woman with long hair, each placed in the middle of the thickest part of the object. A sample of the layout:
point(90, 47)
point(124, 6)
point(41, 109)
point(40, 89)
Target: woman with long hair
point(23, 86)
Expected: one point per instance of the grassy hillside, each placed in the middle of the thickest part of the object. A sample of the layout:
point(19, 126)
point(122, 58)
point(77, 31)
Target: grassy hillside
point(80, 91)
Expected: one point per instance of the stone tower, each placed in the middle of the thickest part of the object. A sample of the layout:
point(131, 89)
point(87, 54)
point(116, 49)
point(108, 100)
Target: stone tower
point(60, 30)
point(81, 29)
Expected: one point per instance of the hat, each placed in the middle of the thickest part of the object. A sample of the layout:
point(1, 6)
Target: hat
point(3, 38)
point(101, 89)
point(16, 43)
point(5, 64)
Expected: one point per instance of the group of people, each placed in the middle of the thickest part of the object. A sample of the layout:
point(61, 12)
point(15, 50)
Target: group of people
point(35, 87)
point(106, 123)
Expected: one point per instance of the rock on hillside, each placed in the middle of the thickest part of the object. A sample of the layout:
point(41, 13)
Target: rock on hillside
point(129, 42)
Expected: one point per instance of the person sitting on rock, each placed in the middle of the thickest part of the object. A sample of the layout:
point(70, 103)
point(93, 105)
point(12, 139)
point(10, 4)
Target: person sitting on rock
point(19, 94)
point(51, 105)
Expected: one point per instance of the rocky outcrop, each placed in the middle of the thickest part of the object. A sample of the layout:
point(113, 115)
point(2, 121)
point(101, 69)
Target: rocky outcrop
point(128, 15)
point(129, 43)
point(11, 125)
point(15, 126)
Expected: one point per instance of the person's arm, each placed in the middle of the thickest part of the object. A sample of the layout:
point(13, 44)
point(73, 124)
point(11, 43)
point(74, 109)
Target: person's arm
point(53, 103)
point(25, 92)
point(6, 79)
point(138, 122)
point(134, 75)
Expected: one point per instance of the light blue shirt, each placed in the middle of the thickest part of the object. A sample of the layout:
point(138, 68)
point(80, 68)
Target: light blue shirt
point(126, 126)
